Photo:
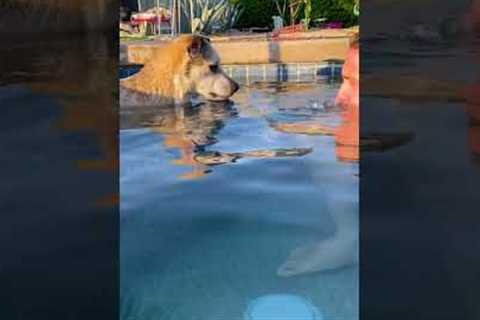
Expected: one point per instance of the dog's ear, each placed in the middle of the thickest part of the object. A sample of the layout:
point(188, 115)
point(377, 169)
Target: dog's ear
point(196, 46)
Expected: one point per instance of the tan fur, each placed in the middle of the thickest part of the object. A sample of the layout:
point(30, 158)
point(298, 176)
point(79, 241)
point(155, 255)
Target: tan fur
point(166, 79)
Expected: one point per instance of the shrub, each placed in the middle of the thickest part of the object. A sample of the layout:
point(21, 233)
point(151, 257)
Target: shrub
point(205, 16)
point(335, 10)
point(258, 13)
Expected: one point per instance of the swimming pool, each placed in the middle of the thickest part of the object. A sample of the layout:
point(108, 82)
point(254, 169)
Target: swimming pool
point(223, 214)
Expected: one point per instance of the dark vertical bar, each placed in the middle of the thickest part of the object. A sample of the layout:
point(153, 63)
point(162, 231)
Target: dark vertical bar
point(59, 160)
point(420, 185)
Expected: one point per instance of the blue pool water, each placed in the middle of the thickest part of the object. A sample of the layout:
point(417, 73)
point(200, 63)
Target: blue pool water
point(202, 241)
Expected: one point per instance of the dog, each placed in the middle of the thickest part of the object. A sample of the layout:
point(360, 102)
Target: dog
point(185, 67)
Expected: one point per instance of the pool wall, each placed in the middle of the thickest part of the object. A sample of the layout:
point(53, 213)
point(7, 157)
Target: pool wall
point(318, 46)
point(286, 72)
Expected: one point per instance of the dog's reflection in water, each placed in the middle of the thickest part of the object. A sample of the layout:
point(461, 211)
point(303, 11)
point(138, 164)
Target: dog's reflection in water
point(192, 131)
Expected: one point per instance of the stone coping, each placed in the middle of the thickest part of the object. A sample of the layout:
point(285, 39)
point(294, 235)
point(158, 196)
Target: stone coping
point(314, 34)
point(300, 47)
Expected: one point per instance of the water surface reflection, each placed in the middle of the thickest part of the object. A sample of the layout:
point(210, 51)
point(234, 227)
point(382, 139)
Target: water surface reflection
point(266, 198)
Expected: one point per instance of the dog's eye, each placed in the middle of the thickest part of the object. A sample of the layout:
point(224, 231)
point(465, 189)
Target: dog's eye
point(214, 68)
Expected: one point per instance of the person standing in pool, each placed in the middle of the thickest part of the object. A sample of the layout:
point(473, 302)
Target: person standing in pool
point(341, 249)
point(348, 97)
point(347, 133)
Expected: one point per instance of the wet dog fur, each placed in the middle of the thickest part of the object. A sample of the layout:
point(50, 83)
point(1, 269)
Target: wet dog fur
point(186, 66)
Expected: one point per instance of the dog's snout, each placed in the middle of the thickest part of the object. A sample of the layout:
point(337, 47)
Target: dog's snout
point(235, 86)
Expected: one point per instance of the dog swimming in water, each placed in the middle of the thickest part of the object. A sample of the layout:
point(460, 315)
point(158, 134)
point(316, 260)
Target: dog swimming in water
point(185, 67)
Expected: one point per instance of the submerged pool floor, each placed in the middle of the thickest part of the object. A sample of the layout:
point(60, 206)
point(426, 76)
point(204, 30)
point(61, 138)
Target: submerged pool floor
point(216, 203)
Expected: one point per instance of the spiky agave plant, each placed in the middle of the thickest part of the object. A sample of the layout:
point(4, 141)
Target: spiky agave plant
point(204, 15)
point(231, 14)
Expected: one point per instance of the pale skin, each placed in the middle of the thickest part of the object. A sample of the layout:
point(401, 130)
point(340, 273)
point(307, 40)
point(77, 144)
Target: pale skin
point(340, 250)
point(347, 134)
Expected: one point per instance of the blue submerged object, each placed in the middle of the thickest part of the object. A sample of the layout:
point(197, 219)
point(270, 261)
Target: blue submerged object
point(282, 307)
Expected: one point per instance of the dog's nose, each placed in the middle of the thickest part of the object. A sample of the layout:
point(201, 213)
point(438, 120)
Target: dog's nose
point(235, 87)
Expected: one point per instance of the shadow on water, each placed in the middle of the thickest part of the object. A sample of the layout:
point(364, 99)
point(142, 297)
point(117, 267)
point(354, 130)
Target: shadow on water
point(59, 172)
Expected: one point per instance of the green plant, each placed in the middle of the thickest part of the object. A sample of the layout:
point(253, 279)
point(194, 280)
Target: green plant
point(281, 6)
point(356, 8)
point(259, 13)
point(289, 10)
point(307, 13)
point(294, 6)
point(336, 10)
point(206, 15)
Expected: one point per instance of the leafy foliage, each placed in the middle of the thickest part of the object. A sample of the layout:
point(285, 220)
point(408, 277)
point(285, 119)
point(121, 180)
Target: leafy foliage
point(335, 10)
point(207, 16)
point(307, 13)
point(259, 13)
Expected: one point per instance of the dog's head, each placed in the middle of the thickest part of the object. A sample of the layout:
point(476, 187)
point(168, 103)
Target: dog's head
point(204, 73)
